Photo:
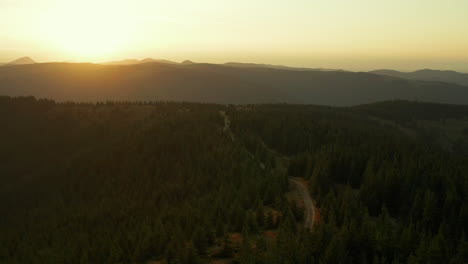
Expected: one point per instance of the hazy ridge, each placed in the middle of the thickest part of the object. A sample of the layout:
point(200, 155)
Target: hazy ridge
point(214, 83)
point(428, 75)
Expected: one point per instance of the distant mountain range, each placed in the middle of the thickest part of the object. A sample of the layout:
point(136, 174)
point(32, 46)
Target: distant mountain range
point(22, 61)
point(428, 75)
point(279, 67)
point(214, 83)
point(420, 75)
point(232, 64)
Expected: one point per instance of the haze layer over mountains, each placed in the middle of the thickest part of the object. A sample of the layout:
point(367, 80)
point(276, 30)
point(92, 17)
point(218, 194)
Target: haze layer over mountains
point(429, 75)
point(240, 83)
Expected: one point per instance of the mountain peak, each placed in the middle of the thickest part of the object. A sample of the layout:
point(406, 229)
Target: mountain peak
point(147, 60)
point(23, 60)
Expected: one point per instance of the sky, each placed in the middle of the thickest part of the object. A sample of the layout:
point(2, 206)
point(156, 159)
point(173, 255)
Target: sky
point(346, 34)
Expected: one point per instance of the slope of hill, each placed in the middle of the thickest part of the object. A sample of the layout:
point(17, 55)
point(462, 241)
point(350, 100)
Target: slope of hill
point(428, 75)
point(22, 61)
point(217, 84)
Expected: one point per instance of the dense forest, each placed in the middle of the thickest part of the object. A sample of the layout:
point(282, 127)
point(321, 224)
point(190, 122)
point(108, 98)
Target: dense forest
point(160, 182)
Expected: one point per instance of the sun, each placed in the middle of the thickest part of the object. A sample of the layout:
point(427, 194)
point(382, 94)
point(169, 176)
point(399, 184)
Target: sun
point(88, 37)
point(87, 30)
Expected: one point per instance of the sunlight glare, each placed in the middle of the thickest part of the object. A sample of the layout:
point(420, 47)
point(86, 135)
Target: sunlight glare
point(88, 29)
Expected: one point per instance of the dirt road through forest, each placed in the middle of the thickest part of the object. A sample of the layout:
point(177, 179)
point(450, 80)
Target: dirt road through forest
point(308, 204)
point(297, 183)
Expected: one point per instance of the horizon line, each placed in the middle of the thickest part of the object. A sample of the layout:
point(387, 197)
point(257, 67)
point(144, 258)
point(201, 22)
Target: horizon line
point(254, 64)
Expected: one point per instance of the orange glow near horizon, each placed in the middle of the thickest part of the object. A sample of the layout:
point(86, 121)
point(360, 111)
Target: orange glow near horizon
point(355, 35)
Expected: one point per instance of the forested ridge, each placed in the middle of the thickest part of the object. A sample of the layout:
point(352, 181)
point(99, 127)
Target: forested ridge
point(132, 182)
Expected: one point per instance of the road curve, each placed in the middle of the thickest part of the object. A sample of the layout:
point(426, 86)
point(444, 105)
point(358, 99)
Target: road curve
point(227, 124)
point(299, 185)
point(308, 204)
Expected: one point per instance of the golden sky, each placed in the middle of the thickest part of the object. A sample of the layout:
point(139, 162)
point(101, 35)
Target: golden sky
point(347, 34)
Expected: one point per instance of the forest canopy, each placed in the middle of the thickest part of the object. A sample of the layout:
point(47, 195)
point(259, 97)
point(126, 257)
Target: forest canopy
point(132, 182)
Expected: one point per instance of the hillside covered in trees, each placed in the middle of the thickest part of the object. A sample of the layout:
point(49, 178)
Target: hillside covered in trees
point(139, 182)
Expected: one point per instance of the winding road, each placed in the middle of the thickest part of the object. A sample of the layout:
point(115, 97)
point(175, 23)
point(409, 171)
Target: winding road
point(308, 204)
point(227, 124)
point(296, 182)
